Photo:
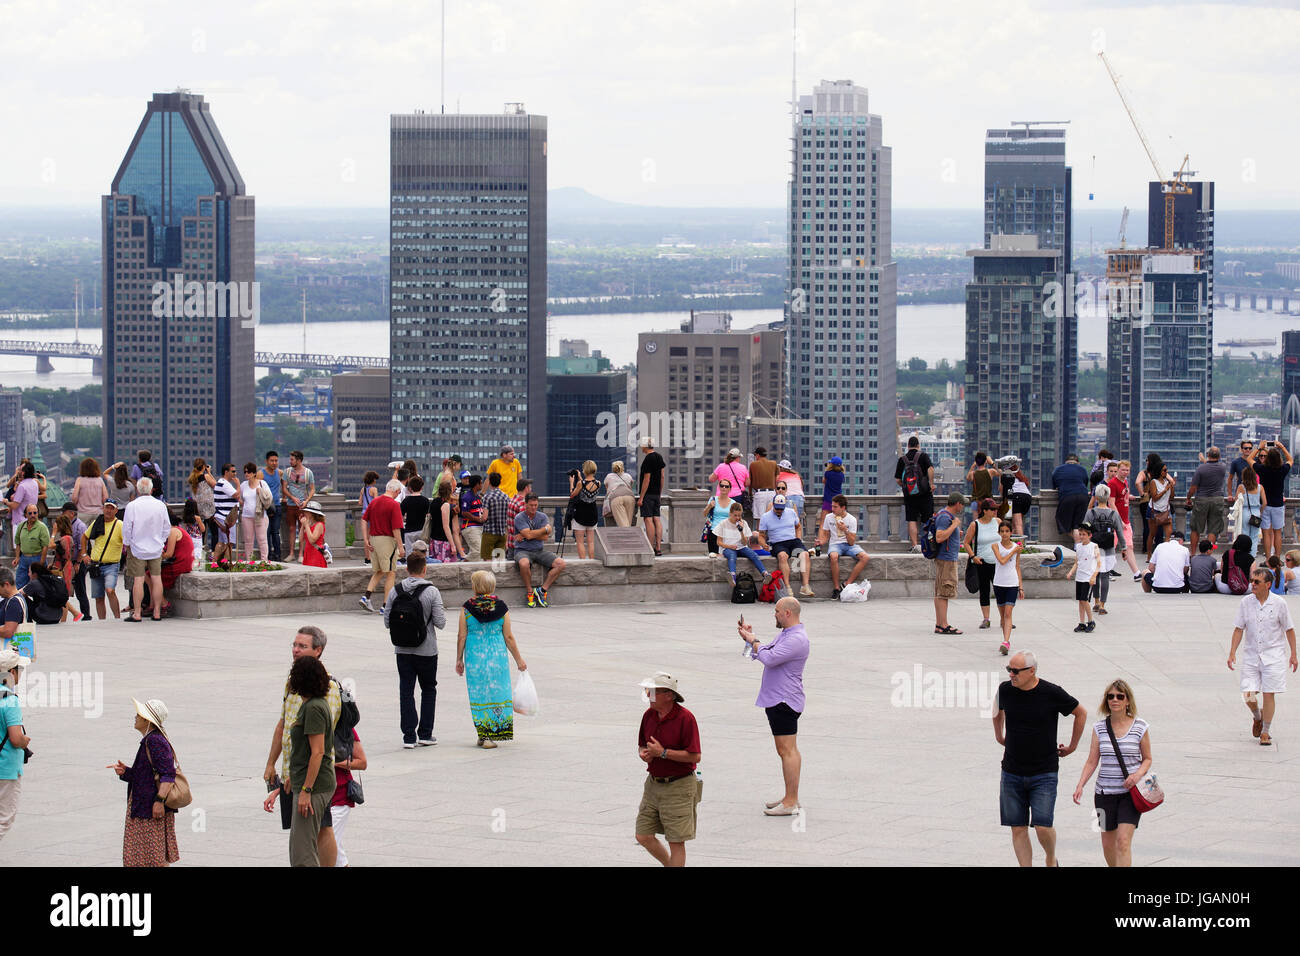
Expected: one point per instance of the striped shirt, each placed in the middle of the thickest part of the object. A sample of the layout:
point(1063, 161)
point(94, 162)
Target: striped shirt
point(1110, 779)
point(224, 498)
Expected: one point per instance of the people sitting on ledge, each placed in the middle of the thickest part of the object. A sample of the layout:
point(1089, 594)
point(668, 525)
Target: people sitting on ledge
point(1168, 571)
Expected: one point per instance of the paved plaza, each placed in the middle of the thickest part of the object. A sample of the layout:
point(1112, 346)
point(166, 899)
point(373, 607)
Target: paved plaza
point(883, 785)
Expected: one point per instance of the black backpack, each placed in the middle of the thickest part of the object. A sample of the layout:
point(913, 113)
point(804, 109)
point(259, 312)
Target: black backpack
point(914, 482)
point(147, 470)
point(407, 625)
point(744, 591)
point(929, 538)
point(349, 717)
point(1103, 534)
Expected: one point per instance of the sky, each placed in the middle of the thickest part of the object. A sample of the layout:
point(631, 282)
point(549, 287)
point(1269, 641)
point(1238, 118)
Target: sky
point(677, 102)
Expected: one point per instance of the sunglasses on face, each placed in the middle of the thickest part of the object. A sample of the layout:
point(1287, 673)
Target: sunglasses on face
point(1117, 697)
point(1016, 670)
point(723, 485)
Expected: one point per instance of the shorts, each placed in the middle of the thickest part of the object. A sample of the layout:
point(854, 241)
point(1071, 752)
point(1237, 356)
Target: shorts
point(226, 535)
point(795, 502)
point(1260, 677)
point(783, 719)
point(545, 558)
point(650, 506)
point(1018, 796)
point(139, 567)
point(1272, 519)
point(763, 501)
point(846, 550)
point(1020, 503)
point(491, 544)
point(919, 508)
point(1006, 596)
point(794, 547)
point(1081, 590)
point(1114, 809)
point(291, 515)
point(581, 527)
point(945, 579)
point(384, 557)
point(1208, 515)
point(107, 581)
point(669, 808)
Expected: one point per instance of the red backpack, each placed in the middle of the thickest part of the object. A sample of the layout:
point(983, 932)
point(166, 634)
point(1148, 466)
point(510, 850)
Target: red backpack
point(773, 589)
point(1234, 577)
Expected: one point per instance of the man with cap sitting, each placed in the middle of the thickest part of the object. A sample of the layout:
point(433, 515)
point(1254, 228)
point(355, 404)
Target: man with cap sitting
point(669, 743)
point(778, 532)
point(101, 553)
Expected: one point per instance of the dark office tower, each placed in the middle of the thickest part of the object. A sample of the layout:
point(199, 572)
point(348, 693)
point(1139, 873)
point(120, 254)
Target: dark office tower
point(11, 430)
point(582, 413)
point(180, 302)
point(467, 275)
point(1013, 355)
point(1027, 192)
point(363, 427)
point(842, 311)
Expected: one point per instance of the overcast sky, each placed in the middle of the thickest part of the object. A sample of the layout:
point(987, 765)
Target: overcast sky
point(677, 102)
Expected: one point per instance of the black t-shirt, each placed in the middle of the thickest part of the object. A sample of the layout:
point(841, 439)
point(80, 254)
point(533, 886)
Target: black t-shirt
point(654, 466)
point(923, 466)
point(1031, 726)
point(1273, 480)
point(415, 508)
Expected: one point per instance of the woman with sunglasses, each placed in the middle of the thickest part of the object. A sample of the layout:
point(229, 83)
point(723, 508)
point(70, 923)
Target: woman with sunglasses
point(1116, 812)
point(716, 512)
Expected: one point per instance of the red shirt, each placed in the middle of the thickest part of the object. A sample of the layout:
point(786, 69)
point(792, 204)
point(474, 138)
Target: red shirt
point(1119, 497)
point(676, 730)
point(384, 516)
point(516, 507)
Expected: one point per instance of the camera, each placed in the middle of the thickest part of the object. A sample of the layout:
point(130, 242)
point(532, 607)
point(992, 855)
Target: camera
point(574, 473)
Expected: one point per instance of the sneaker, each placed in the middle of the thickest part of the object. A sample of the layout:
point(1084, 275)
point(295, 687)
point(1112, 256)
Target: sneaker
point(541, 598)
point(406, 746)
point(1137, 577)
point(1090, 627)
point(365, 603)
point(427, 742)
point(914, 549)
point(532, 600)
point(806, 591)
point(77, 617)
point(985, 624)
point(1114, 574)
point(1080, 628)
point(835, 594)
point(1005, 649)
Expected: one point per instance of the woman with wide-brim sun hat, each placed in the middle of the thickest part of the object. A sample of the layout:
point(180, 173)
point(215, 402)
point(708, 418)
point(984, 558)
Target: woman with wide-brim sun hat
point(150, 833)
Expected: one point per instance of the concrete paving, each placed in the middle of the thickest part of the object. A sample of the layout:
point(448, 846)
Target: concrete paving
point(883, 783)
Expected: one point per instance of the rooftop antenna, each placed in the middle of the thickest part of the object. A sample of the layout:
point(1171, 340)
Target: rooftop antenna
point(442, 64)
point(794, 64)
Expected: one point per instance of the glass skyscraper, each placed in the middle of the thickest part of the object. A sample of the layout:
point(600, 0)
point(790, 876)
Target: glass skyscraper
point(842, 309)
point(467, 249)
point(178, 370)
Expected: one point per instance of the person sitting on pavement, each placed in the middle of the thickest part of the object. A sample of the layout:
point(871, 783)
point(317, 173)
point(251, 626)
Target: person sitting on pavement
point(1167, 572)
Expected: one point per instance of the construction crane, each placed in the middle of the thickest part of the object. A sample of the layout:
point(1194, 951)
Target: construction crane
point(1169, 187)
point(1123, 227)
point(772, 418)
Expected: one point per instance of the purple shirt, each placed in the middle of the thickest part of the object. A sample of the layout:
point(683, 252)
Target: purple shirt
point(139, 779)
point(782, 662)
point(26, 492)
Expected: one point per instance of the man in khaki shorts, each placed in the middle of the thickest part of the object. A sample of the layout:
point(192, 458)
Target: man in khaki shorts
point(948, 533)
point(144, 534)
point(669, 743)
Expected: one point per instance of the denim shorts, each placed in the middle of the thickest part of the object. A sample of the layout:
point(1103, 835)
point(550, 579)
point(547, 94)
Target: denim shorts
point(846, 550)
point(107, 581)
point(1272, 518)
point(1020, 795)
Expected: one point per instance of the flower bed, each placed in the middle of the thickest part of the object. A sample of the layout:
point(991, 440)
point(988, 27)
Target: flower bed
point(240, 567)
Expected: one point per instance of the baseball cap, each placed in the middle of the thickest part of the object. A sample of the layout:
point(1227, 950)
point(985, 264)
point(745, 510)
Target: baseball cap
point(784, 463)
point(837, 460)
point(465, 473)
point(956, 498)
point(778, 501)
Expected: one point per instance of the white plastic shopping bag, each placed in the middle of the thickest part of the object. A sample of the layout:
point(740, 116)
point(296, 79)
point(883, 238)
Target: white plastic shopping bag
point(856, 592)
point(525, 696)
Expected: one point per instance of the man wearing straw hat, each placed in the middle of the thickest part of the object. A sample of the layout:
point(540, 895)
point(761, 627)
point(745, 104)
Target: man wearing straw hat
point(15, 740)
point(669, 743)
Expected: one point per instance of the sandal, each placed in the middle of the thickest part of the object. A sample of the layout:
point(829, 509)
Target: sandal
point(946, 630)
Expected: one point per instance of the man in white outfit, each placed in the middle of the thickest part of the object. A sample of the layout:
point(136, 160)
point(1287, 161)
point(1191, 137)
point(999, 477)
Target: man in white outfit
point(144, 534)
point(1265, 621)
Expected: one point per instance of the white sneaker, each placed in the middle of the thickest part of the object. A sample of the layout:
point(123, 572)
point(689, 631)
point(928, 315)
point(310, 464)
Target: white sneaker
point(806, 592)
point(406, 746)
point(427, 743)
point(365, 603)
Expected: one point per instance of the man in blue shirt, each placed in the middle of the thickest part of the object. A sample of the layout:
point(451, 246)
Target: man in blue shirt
point(271, 474)
point(531, 529)
point(948, 533)
point(778, 532)
point(1072, 493)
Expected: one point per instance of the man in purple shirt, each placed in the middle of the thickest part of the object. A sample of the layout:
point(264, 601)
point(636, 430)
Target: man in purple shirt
point(781, 694)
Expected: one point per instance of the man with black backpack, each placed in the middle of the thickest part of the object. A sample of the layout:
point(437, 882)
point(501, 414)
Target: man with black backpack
point(146, 467)
point(412, 614)
point(915, 476)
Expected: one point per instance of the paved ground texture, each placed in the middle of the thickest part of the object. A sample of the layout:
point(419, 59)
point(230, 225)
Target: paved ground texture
point(883, 783)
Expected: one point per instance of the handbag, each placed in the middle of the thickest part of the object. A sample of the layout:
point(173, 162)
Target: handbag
point(179, 795)
point(972, 576)
point(356, 794)
point(1146, 793)
point(1254, 520)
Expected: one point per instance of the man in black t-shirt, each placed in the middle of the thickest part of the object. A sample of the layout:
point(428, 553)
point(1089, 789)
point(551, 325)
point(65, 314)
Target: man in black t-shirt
point(1025, 724)
point(653, 467)
point(918, 501)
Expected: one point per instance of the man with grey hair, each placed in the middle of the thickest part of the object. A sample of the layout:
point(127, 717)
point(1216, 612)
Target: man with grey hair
point(781, 694)
point(309, 641)
point(1025, 725)
point(381, 530)
point(144, 535)
point(1205, 498)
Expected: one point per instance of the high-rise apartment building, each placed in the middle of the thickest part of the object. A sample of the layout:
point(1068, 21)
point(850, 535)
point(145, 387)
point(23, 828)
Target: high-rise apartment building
point(841, 315)
point(11, 430)
point(582, 413)
point(1161, 349)
point(1013, 354)
point(694, 392)
point(363, 430)
point(180, 299)
point(468, 287)
point(1027, 192)
point(1193, 229)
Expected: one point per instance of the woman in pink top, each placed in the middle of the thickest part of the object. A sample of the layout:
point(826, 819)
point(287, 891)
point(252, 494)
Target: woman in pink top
point(89, 492)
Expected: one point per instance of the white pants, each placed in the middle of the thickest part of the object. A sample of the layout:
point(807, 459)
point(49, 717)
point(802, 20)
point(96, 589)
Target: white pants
point(762, 503)
point(339, 816)
point(10, 791)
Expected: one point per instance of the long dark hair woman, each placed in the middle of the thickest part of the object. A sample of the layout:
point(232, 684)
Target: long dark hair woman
point(311, 762)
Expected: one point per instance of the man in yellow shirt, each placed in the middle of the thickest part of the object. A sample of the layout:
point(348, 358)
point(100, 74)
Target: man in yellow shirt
point(509, 468)
point(101, 552)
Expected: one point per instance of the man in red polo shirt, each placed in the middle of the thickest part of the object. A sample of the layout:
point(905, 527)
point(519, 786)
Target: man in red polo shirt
point(381, 531)
point(1117, 481)
point(669, 743)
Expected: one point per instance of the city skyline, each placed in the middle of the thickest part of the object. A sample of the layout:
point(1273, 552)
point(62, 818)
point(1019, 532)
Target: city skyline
point(694, 101)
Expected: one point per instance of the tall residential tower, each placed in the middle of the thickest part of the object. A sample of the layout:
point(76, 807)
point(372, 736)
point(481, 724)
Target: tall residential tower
point(467, 249)
point(842, 308)
point(178, 368)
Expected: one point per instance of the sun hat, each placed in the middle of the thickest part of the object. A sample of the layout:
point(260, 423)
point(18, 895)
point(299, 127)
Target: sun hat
point(153, 710)
point(784, 463)
point(314, 508)
point(665, 680)
point(10, 658)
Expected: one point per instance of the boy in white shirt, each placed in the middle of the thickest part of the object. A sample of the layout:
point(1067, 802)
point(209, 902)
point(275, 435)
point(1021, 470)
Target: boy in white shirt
point(1087, 563)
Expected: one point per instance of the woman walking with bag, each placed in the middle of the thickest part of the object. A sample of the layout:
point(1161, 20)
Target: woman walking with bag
point(620, 496)
point(1121, 746)
point(150, 836)
point(481, 645)
point(980, 536)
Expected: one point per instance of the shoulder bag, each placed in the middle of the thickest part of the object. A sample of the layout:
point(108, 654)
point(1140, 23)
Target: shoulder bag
point(745, 496)
point(179, 795)
point(1146, 793)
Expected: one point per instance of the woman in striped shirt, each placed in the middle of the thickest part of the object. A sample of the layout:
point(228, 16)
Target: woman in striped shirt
point(1116, 811)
